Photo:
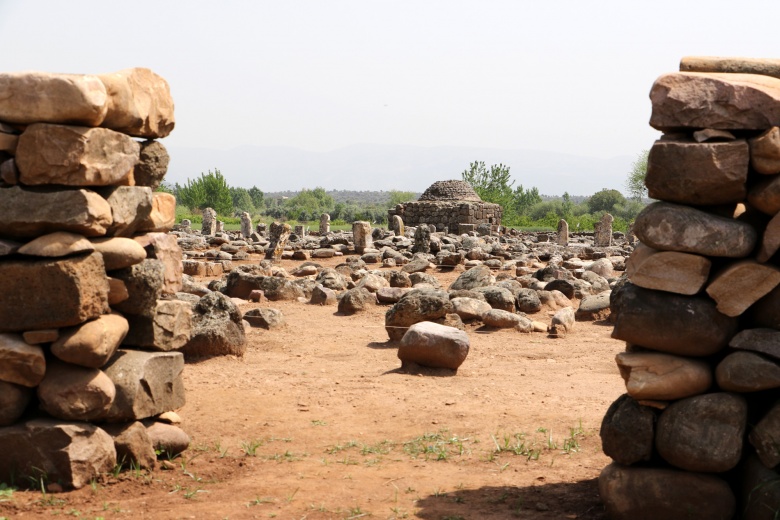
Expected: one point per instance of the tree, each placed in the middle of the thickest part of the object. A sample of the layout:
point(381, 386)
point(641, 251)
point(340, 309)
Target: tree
point(399, 197)
point(523, 200)
point(635, 183)
point(209, 191)
point(605, 200)
point(257, 197)
point(242, 201)
point(491, 185)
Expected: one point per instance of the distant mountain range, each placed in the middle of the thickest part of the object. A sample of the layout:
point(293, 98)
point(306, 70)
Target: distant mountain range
point(385, 167)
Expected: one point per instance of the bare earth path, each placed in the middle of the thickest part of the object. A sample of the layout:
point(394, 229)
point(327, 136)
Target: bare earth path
point(317, 421)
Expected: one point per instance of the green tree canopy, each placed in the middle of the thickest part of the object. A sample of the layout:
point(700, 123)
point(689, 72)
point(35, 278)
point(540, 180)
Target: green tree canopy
point(242, 200)
point(605, 200)
point(209, 191)
point(635, 183)
point(399, 197)
point(257, 197)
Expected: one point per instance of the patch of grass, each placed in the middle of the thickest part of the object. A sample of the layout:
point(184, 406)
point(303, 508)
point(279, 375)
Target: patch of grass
point(260, 500)
point(317, 422)
point(6, 492)
point(435, 446)
point(250, 448)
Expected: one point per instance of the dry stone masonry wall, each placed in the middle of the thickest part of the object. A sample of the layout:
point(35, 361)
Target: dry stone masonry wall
point(697, 434)
point(88, 325)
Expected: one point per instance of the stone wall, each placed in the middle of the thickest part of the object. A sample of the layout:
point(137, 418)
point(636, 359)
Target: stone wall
point(448, 214)
point(696, 434)
point(88, 326)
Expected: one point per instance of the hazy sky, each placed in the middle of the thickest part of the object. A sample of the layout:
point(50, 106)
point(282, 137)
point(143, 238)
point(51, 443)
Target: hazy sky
point(567, 76)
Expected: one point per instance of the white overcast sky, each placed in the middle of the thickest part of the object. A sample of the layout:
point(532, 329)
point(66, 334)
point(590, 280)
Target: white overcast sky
point(569, 76)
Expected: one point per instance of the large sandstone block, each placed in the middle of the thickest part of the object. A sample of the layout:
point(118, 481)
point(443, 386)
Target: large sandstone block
point(71, 453)
point(28, 213)
point(75, 393)
point(130, 208)
point(93, 343)
point(662, 377)
point(684, 325)
point(169, 328)
point(671, 271)
point(712, 100)
point(639, 493)
point(165, 248)
point(147, 384)
point(144, 282)
point(703, 433)
point(671, 227)
point(75, 290)
point(139, 103)
point(41, 97)
point(698, 173)
point(74, 155)
point(741, 284)
point(162, 216)
point(119, 252)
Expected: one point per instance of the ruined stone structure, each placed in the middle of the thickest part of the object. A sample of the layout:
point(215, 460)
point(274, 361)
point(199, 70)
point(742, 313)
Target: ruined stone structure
point(88, 322)
point(447, 204)
point(696, 434)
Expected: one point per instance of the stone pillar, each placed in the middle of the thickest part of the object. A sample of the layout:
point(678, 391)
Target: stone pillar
point(603, 231)
point(209, 226)
point(563, 233)
point(246, 224)
point(398, 225)
point(361, 235)
point(220, 226)
point(300, 230)
point(279, 235)
point(324, 224)
point(422, 239)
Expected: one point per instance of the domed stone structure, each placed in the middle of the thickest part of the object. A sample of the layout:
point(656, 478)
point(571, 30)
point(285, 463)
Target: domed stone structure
point(451, 206)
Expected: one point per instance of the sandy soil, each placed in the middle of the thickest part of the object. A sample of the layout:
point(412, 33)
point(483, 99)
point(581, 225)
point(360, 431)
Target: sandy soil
point(318, 421)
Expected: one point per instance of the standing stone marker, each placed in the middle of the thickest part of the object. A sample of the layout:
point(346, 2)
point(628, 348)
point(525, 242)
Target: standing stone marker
point(398, 226)
point(361, 234)
point(603, 231)
point(563, 233)
point(279, 235)
point(324, 224)
point(246, 224)
point(422, 239)
point(209, 226)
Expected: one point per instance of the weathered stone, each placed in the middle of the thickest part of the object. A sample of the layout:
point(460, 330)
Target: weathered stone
point(711, 100)
point(684, 325)
point(433, 345)
point(324, 224)
point(323, 253)
point(470, 308)
point(671, 271)
point(355, 300)
point(562, 322)
point(168, 328)
point(765, 437)
point(209, 222)
point(418, 264)
point(527, 300)
point(361, 233)
point(162, 216)
point(391, 294)
point(765, 152)
point(72, 454)
point(75, 287)
point(741, 284)
point(422, 239)
point(480, 276)
point(280, 233)
point(75, 393)
point(8, 247)
point(139, 103)
point(167, 439)
point(703, 433)
point(594, 307)
point(246, 224)
point(502, 319)
point(38, 97)
point(747, 372)
point(640, 493)
point(762, 66)
point(321, 295)
point(762, 340)
point(38, 337)
point(372, 282)
point(144, 282)
point(117, 291)
point(497, 297)
point(13, 402)
point(133, 446)
point(711, 135)
point(662, 377)
point(397, 226)
point(92, 343)
point(28, 214)
point(265, 318)
point(74, 156)
point(416, 306)
point(277, 289)
point(130, 207)
point(57, 244)
point(152, 164)
point(671, 227)
point(147, 384)
point(770, 241)
point(119, 252)
point(697, 173)
point(603, 231)
point(164, 247)
point(627, 431)
point(217, 330)
point(562, 239)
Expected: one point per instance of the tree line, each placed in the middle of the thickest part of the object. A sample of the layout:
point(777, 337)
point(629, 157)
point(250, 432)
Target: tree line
point(522, 207)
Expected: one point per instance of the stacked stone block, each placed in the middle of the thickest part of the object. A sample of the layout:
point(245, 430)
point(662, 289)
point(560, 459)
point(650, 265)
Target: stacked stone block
point(697, 435)
point(88, 324)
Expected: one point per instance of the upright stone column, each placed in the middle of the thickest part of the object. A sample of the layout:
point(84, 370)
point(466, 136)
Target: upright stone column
point(361, 235)
point(563, 233)
point(209, 226)
point(422, 239)
point(398, 226)
point(603, 231)
point(279, 235)
point(246, 224)
point(324, 224)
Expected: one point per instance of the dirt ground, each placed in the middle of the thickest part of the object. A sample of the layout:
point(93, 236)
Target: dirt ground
point(317, 421)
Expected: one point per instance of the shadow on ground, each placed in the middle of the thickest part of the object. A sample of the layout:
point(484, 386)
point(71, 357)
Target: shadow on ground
point(575, 500)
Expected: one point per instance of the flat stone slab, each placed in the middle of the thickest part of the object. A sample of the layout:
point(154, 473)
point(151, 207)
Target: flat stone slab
point(663, 377)
point(671, 271)
point(741, 284)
